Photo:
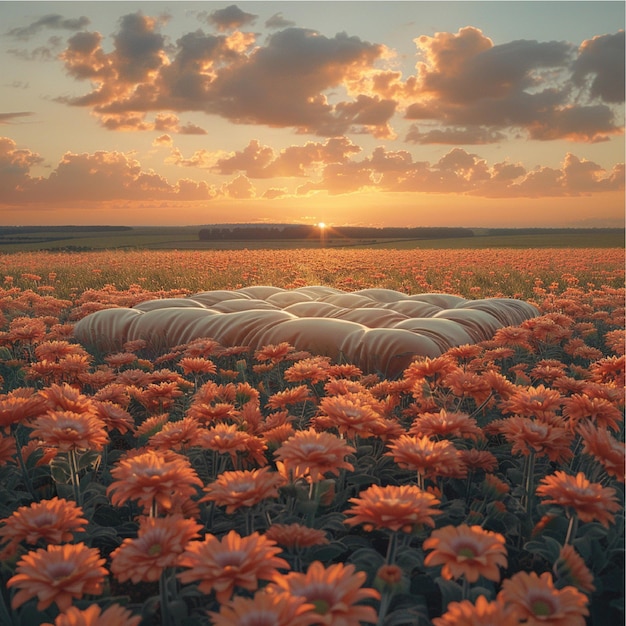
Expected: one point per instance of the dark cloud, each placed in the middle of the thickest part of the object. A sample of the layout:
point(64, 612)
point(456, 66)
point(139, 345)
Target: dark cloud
point(278, 21)
point(7, 118)
point(230, 18)
point(52, 20)
point(280, 84)
point(466, 81)
point(602, 60)
point(454, 136)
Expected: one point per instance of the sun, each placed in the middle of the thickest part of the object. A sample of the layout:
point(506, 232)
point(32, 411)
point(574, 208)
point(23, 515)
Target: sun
point(321, 225)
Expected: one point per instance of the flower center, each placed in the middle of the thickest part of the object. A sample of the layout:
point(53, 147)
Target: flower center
point(541, 608)
point(321, 606)
point(155, 549)
point(467, 552)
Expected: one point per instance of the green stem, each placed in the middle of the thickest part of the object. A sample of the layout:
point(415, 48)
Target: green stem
point(529, 480)
point(392, 548)
point(73, 461)
point(466, 589)
point(163, 599)
point(572, 529)
point(385, 601)
point(20, 460)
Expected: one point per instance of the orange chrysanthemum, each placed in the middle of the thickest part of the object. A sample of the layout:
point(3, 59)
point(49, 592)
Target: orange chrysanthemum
point(404, 507)
point(274, 352)
point(234, 561)
point(57, 575)
point(114, 615)
point(159, 543)
point(197, 365)
point(571, 569)
point(468, 384)
point(446, 424)
point(67, 430)
point(53, 521)
point(334, 591)
point(600, 411)
point(114, 416)
point(536, 600)
point(468, 551)
point(313, 455)
point(20, 405)
point(607, 450)
point(234, 489)
point(429, 458)
point(540, 402)
point(483, 613)
point(152, 477)
point(295, 395)
point(552, 439)
point(590, 501)
point(352, 414)
point(177, 435)
point(296, 536)
point(266, 609)
point(314, 370)
point(479, 459)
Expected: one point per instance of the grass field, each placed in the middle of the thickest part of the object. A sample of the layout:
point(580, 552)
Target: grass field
point(186, 238)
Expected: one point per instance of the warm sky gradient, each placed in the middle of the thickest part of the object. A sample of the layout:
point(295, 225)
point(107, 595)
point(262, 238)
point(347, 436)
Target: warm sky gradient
point(365, 113)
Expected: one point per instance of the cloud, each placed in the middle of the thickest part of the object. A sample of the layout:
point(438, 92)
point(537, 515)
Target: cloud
point(602, 58)
point(240, 188)
point(52, 20)
point(91, 178)
point(466, 81)
point(454, 136)
point(7, 118)
point(230, 18)
point(284, 83)
point(258, 161)
point(462, 172)
point(278, 21)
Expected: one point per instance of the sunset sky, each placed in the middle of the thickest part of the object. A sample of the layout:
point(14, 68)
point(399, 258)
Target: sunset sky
point(382, 113)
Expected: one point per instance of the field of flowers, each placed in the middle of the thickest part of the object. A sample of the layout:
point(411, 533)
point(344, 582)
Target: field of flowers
point(214, 485)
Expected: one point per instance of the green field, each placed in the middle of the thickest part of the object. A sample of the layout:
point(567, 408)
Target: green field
point(186, 238)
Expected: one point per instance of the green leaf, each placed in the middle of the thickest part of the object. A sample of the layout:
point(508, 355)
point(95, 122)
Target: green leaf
point(450, 592)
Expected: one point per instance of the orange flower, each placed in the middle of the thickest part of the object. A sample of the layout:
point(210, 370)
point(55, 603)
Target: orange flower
point(296, 536)
point(483, 613)
point(571, 569)
point(468, 551)
point(114, 416)
point(20, 405)
point(58, 574)
point(151, 425)
point(7, 450)
point(274, 353)
point(351, 413)
point(536, 600)
point(479, 459)
point(404, 507)
point(314, 369)
point(313, 455)
point(429, 458)
point(197, 365)
point(539, 402)
point(177, 435)
point(590, 501)
point(600, 411)
point(234, 561)
point(295, 395)
point(266, 609)
point(467, 384)
point(426, 367)
point(67, 430)
point(607, 450)
point(66, 398)
point(552, 439)
point(225, 439)
point(114, 615)
point(334, 591)
point(446, 424)
point(243, 488)
point(159, 543)
point(152, 477)
point(53, 521)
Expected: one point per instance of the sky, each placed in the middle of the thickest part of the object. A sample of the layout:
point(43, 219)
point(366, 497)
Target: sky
point(374, 113)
